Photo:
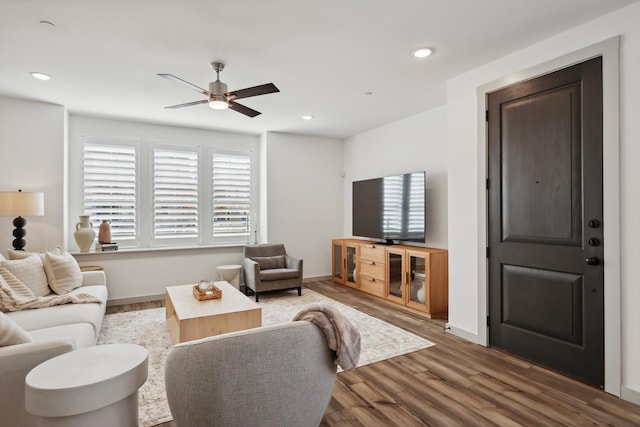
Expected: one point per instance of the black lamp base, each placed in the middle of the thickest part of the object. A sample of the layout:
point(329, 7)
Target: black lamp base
point(19, 232)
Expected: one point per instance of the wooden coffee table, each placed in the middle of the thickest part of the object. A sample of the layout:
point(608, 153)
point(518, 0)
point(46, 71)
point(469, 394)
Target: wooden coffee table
point(189, 319)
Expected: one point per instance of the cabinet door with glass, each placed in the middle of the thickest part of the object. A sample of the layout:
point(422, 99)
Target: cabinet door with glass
point(417, 273)
point(396, 277)
point(427, 281)
point(343, 264)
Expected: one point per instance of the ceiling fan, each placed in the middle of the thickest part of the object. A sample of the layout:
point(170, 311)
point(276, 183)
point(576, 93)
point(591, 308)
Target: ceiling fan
point(217, 96)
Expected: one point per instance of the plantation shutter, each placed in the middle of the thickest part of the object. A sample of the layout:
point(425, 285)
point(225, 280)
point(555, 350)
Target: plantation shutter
point(231, 196)
point(175, 194)
point(110, 188)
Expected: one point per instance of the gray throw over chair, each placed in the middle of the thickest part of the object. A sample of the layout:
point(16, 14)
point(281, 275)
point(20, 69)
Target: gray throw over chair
point(273, 376)
point(267, 267)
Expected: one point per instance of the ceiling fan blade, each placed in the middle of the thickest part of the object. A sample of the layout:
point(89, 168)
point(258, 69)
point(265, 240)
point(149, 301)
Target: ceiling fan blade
point(185, 83)
point(253, 91)
point(244, 110)
point(188, 104)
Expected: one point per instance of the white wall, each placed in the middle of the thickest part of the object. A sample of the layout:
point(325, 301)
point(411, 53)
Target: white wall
point(304, 203)
point(32, 158)
point(303, 181)
point(467, 207)
point(413, 144)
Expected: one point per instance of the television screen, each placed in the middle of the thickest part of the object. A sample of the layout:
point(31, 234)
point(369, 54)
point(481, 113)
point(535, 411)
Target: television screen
point(390, 208)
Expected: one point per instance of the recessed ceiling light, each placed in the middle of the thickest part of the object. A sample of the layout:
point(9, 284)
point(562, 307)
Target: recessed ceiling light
point(307, 117)
point(422, 52)
point(40, 76)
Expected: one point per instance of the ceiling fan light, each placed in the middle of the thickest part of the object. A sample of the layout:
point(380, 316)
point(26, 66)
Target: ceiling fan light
point(218, 103)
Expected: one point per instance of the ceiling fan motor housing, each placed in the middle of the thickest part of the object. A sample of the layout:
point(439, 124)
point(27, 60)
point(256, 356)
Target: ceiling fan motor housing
point(218, 88)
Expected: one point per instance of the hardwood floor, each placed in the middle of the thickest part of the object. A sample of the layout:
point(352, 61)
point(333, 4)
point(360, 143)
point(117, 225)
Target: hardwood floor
point(457, 383)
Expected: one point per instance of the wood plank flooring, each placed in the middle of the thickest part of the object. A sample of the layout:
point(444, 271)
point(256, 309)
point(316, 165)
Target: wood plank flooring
point(457, 383)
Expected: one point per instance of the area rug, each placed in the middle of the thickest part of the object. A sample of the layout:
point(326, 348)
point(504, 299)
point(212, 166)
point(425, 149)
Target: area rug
point(147, 328)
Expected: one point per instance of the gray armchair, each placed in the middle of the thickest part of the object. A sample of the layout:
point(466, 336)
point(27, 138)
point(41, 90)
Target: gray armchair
point(280, 376)
point(267, 267)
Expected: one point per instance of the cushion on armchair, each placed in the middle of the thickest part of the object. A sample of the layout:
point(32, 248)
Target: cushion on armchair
point(278, 274)
point(269, 262)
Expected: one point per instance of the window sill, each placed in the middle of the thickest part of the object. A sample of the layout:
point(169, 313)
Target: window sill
point(136, 251)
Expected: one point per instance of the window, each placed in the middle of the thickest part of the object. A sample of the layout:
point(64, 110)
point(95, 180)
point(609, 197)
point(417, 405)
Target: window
point(110, 188)
point(175, 194)
point(231, 197)
point(167, 195)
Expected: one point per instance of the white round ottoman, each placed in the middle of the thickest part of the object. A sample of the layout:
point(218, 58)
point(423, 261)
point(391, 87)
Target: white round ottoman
point(91, 387)
point(230, 273)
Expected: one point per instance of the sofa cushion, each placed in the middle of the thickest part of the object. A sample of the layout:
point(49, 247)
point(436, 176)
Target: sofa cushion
point(79, 334)
point(63, 272)
point(269, 262)
point(12, 286)
point(11, 333)
point(278, 274)
point(65, 314)
point(30, 272)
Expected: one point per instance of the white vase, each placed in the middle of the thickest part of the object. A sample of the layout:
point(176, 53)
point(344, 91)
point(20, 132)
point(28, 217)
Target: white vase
point(421, 294)
point(84, 234)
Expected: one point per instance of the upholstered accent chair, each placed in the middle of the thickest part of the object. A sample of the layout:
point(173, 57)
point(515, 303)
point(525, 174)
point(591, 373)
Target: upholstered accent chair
point(267, 267)
point(273, 376)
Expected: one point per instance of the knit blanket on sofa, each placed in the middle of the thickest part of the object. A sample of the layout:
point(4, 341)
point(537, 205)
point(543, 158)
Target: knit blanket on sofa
point(342, 337)
point(16, 296)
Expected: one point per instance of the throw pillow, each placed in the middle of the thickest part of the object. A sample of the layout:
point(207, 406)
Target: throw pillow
point(269, 262)
point(14, 254)
point(11, 333)
point(2, 258)
point(29, 271)
point(63, 272)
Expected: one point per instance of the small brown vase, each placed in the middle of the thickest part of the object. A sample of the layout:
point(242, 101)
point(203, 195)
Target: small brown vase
point(104, 233)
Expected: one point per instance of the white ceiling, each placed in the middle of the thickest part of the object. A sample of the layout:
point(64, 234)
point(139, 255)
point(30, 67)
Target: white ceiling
point(323, 55)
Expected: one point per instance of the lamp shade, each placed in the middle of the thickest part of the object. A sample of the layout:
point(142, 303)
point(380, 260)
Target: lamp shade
point(20, 203)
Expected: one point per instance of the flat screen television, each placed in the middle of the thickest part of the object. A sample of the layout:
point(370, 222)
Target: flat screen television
point(391, 208)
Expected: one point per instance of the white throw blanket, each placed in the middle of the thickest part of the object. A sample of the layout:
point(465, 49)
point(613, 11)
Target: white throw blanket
point(342, 337)
point(19, 297)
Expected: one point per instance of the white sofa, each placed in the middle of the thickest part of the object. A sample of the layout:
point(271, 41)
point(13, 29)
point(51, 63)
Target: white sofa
point(53, 330)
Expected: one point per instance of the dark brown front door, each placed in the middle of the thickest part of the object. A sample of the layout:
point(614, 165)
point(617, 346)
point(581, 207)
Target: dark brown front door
point(546, 277)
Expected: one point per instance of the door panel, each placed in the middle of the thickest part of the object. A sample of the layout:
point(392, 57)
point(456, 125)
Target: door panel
point(541, 195)
point(528, 292)
point(545, 186)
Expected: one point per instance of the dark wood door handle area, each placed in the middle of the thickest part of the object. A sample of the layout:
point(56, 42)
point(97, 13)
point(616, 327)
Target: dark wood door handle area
point(593, 260)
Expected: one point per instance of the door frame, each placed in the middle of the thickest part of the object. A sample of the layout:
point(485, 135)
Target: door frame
point(609, 50)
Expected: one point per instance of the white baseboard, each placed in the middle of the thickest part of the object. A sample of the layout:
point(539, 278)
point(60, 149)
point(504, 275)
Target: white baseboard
point(629, 394)
point(135, 300)
point(315, 279)
point(462, 333)
point(156, 297)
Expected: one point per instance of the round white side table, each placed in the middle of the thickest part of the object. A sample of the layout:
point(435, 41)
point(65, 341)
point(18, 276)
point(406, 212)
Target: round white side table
point(94, 386)
point(230, 273)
